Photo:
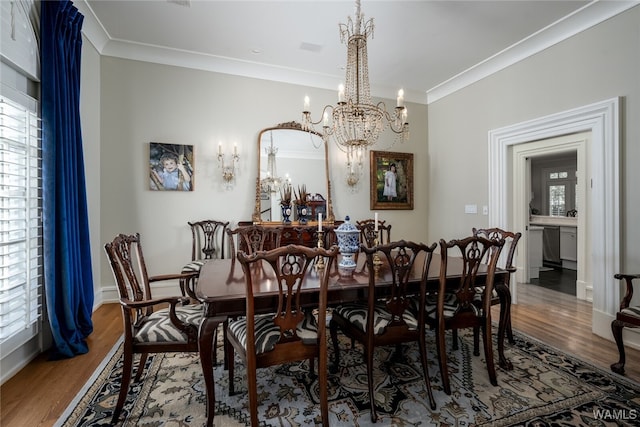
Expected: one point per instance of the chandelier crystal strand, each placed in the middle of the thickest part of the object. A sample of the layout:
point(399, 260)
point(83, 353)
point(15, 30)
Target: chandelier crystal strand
point(355, 123)
point(272, 181)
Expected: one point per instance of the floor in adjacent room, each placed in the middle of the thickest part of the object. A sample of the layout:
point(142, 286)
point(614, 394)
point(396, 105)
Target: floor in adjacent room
point(557, 279)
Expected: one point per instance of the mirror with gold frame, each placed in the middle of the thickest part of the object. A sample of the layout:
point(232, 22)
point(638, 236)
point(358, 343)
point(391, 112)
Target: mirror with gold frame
point(286, 153)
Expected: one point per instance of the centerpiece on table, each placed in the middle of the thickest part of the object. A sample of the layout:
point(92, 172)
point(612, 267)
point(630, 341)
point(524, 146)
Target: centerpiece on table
point(349, 243)
point(301, 205)
point(285, 204)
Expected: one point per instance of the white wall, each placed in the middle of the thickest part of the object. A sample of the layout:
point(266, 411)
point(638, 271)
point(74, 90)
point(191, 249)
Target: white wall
point(598, 64)
point(143, 102)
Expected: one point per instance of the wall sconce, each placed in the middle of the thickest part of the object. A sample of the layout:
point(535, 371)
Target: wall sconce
point(228, 170)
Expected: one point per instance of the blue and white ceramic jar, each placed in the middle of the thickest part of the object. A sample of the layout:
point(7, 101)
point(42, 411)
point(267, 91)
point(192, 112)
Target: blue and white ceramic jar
point(349, 243)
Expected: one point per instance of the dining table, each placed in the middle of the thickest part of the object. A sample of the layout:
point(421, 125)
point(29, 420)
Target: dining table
point(221, 286)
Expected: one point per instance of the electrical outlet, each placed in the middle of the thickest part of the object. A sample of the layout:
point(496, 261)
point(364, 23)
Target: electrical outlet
point(485, 210)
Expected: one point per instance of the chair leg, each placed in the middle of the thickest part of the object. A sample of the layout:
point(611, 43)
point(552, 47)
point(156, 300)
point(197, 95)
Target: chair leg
point(225, 343)
point(616, 328)
point(488, 353)
point(141, 363)
point(422, 342)
point(323, 386)
point(512, 341)
point(312, 371)
point(442, 360)
point(333, 328)
point(127, 366)
point(454, 339)
point(368, 355)
point(252, 385)
point(229, 356)
point(476, 341)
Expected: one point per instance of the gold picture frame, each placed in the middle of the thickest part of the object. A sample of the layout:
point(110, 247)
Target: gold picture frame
point(389, 188)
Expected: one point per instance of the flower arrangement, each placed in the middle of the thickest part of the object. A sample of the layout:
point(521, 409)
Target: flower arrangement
point(302, 195)
point(285, 195)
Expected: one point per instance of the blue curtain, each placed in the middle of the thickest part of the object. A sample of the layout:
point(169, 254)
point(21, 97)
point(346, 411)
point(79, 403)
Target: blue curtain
point(67, 255)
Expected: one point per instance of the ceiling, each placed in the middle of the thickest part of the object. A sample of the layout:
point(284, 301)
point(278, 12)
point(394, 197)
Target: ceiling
point(418, 46)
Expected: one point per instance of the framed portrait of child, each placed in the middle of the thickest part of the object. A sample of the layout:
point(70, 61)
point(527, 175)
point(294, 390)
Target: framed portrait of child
point(170, 167)
point(391, 180)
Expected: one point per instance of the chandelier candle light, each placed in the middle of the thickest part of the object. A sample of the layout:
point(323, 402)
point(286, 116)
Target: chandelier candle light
point(272, 182)
point(355, 123)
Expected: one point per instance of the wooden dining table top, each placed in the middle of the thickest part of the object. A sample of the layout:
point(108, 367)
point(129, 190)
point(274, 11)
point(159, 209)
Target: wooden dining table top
point(221, 284)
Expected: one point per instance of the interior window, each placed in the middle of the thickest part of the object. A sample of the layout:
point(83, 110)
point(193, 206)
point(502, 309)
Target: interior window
point(561, 191)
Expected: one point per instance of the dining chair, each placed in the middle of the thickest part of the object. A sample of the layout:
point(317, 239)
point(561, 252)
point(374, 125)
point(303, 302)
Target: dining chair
point(627, 317)
point(149, 325)
point(368, 234)
point(456, 304)
point(249, 239)
point(389, 318)
point(291, 333)
point(501, 290)
point(252, 238)
point(208, 241)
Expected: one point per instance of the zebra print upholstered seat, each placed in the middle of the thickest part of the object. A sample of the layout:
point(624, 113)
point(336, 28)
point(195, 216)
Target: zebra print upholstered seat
point(157, 327)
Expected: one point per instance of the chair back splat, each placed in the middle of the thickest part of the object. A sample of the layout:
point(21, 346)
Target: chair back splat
point(291, 332)
point(390, 318)
point(208, 239)
point(368, 233)
point(149, 325)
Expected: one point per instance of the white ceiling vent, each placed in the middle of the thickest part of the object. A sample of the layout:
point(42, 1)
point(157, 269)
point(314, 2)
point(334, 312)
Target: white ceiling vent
point(185, 3)
point(311, 47)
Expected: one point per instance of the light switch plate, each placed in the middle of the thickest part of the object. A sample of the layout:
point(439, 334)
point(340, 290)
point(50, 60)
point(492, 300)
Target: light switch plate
point(471, 209)
point(485, 210)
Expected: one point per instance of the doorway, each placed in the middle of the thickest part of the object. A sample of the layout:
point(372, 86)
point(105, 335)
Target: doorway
point(603, 121)
point(540, 170)
point(554, 192)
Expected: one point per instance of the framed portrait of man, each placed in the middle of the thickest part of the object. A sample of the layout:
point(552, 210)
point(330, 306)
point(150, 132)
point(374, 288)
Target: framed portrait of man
point(170, 167)
point(391, 180)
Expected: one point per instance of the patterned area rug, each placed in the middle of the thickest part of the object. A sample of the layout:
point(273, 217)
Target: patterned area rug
point(545, 388)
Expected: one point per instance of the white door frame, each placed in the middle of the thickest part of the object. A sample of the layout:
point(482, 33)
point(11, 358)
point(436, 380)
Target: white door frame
point(603, 121)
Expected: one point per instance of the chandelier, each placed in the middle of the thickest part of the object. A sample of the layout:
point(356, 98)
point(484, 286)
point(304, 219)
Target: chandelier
point(355, 123)
point(271, 183)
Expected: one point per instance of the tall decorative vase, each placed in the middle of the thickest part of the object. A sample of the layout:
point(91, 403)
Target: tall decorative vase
point(348, 242)
point(302, 214)
point(286, 214)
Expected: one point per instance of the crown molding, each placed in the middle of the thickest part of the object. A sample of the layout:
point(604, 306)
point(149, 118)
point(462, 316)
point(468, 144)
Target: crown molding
point(581, 20)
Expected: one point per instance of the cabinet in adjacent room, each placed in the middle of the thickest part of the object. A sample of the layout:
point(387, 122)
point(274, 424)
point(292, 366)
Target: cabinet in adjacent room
point(569, 247)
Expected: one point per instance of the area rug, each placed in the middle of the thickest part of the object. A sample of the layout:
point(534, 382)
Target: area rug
point(545, 388)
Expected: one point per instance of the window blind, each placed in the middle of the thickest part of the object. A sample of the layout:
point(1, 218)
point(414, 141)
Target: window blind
point(20, 220)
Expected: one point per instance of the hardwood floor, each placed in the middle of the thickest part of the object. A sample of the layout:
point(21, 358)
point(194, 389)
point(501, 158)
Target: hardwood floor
point(38, 394)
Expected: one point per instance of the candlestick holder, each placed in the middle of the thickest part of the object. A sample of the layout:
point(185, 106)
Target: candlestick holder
point(320, 261)
point(377, 262)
